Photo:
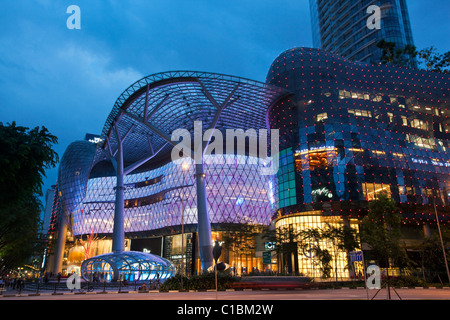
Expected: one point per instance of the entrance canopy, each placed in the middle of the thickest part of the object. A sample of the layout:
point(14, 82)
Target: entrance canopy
point(127, 265)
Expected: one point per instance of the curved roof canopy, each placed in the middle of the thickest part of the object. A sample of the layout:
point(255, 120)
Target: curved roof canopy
point(147, 113)
point(128, 265)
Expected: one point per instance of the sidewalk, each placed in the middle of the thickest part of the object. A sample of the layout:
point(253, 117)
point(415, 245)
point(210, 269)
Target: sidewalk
point(61, 288)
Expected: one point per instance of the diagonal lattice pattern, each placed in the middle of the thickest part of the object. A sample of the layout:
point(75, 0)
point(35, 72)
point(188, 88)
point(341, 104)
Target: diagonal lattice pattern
point(237, 193)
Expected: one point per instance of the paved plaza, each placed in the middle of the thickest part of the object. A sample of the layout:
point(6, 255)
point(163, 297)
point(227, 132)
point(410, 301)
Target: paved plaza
point(262, 295)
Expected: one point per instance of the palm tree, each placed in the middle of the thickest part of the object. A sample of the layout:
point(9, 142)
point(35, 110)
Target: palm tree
point(286, 244)
point(313, 237)
point(343, 239)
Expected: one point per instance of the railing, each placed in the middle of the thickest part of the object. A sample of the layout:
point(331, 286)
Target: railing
point(55, 287)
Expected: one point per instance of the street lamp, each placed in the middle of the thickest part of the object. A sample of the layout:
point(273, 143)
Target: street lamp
point(440, 236)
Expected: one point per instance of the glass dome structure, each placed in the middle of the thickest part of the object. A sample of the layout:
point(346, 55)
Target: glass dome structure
point(127, 265)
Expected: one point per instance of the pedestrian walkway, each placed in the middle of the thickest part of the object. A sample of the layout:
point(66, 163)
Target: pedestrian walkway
point(59, 287)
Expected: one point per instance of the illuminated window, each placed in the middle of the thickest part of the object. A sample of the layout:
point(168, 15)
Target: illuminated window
point(371, 190)
point(360, 113)
point(444, 127)
point(391, 117)
point(427, 143)
point(308, 262)
point(318, 160)
point(322, 116)
point(287, 193)
point(379, 153)
point(377, 99)
point(404, 120)
point(419, 124)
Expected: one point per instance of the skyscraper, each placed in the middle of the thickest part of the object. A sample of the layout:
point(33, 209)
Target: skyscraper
point(341, 27)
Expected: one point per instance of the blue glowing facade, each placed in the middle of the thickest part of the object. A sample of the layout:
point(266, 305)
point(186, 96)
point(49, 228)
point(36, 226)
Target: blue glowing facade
point(154, 199)
point(352, 130)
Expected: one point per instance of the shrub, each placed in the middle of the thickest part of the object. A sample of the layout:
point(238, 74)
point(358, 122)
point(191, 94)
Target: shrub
point(407, 281)
point(205, 281)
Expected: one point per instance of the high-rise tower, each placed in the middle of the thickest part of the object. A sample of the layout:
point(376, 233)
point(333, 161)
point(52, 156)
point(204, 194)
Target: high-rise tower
point(341, 27)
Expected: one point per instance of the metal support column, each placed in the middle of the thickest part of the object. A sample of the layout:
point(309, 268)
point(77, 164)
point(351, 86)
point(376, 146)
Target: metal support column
point(204, 224)
point(118, 244)
point(60, 244)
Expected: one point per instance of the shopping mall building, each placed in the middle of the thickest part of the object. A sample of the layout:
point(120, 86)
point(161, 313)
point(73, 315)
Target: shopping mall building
point(347, 131)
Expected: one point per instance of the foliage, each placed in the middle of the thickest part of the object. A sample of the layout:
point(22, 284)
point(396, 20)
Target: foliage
point(402, 57)
point(432, 259)
point(285, 241)
point(205, 281)
point(312, 238)
point(25, 155)
point(428, 59)
point(406, 281)
point(434, 61)
point(381, 229)
point(341, 238)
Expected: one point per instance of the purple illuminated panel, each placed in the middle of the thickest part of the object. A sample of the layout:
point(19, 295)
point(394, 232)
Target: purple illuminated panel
point(237, 193)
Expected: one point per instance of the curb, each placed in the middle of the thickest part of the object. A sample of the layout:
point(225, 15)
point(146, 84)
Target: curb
point(178, 291)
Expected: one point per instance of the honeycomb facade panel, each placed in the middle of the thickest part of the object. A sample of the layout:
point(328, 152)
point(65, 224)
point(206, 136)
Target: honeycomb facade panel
point(154, 200)
point(73, 175)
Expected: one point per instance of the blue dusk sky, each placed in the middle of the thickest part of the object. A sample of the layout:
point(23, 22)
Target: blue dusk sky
point(68, 80)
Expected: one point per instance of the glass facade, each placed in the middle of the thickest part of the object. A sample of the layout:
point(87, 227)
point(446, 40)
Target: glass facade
point(129, 266)
point(307, 263)
point(353, 130)
point(154, 199)
point(160, 194)
point(385, 129)
point(348, 131)
point(341, 27)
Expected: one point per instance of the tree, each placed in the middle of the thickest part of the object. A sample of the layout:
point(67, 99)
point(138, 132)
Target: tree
point(24, 157)
point(286, 246)
point(401, 57)
point(431, 257)
point(435, 62)
point(381, 230)
point(427, 59)
point(343, 239)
